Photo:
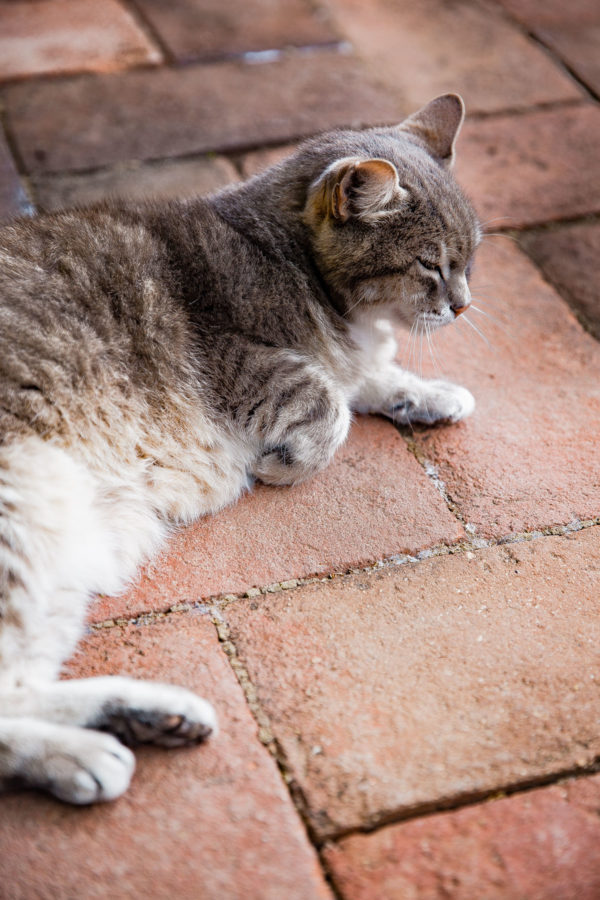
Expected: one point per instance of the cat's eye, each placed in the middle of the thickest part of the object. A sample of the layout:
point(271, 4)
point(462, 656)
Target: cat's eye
point(431, 267)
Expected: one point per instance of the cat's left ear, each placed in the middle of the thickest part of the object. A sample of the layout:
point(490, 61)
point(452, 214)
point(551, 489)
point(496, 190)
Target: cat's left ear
point(437, 125)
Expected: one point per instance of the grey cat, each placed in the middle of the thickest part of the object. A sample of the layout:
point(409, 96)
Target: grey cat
point(157, 357)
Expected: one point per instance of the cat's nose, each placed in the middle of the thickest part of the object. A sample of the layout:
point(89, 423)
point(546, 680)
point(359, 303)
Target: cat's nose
point(458, 310)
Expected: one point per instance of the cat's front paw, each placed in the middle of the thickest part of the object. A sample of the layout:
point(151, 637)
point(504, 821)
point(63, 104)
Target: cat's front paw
point(87, 767)
point(436, 401)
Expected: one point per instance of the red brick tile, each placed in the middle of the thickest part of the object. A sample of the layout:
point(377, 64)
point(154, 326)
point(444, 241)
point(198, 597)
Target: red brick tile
point(428, 47)
point(259, 160)
point(373, 501)
point(579, 48)
point(208, 29)
point(58, 36)
point(528, 457)
point(542, 845)
point(570, 259)
point(170, 178)
point(553, 13)
point(537, 167)
point(84, 122)
point(213, 821)
point(13, 199)
point(571, 30)
point(438, 680)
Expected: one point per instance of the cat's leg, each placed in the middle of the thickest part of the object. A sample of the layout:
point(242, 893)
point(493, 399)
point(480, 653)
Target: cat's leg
point(302, 422)
point(387, 389)
point(35, 635)
point(138, 712)
point(53, 533)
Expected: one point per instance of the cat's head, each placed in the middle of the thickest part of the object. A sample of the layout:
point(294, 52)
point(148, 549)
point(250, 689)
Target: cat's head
point(388, 225)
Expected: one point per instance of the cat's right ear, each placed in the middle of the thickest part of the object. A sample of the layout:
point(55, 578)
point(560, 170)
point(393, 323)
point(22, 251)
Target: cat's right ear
point(355, 188)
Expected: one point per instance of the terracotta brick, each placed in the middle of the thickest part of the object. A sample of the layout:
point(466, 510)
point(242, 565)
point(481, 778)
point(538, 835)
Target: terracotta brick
point(214, 821)
point(13, 199)
point(570, 259)
point(433, 682)
point(528, 457)
point(209, 29)
point(571, 30)
point(259, 160)
point(579, 49)
point(84, 122)
point(552, 13)
point(374, 500)
point(541, 845)
point(537, 167)
point(428, 47)
point(59, 36)
point(137, 181)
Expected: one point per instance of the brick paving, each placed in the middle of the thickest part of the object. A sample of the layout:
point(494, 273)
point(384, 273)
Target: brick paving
point(403, 651)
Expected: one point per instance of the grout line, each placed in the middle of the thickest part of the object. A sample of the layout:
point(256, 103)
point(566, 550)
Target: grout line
point(27, 200)
point(266, 736)
point(464, 801)
point(432, 473)
point(528, 31)
point(543, 106)
point(214, 604)
point(563, 64)
point(247, 57)
point(147, 28)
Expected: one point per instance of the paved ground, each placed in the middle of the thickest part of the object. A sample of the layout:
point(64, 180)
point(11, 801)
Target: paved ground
point(403, 652)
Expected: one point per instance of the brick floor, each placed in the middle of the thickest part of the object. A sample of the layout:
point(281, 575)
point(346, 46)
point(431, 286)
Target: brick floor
point(570, 30)
point(59, 36)
point(210, 29)
point(395, 693)
point(406, 688)
point(403, 689)
point(536, 167)
point(373, 501)
point(541, 845)
point(13, 199)
point(528, 458)
point(569, 258)
point(171, 112)
point(427, 47)
point(213, 822)
point(135, 180)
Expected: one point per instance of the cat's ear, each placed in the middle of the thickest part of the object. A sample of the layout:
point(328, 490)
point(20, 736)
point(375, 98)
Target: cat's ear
point(437, 125)
point(356, 188)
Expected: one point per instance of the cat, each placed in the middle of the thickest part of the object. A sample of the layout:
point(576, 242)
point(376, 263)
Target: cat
point(158, 357)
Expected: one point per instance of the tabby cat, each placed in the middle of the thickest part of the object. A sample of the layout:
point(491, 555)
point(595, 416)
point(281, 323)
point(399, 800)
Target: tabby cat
point(157, 357)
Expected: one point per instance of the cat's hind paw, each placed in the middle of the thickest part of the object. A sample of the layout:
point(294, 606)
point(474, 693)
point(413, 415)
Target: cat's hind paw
point(141, 712)
point(89, 767)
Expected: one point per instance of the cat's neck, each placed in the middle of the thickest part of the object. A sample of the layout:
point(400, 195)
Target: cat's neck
point(267, 211)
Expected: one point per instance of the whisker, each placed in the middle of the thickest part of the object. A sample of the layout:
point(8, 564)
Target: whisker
point(432, 352)
point(475, 328)
point(407, 347)
point(497, 219)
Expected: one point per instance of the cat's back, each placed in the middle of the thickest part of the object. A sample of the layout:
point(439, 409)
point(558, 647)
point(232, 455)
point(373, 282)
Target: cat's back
point(88, 306)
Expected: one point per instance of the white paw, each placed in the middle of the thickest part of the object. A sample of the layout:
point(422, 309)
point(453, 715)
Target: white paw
point(88, 767)
point(437, 401)
point(142, 712)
